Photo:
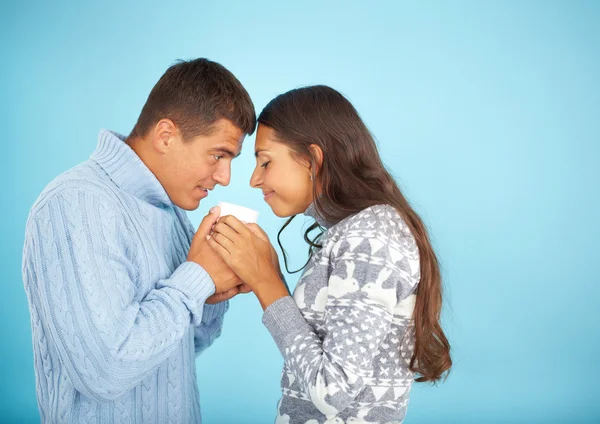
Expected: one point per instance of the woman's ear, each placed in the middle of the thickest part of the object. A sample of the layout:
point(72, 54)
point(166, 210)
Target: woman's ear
point(317, 154)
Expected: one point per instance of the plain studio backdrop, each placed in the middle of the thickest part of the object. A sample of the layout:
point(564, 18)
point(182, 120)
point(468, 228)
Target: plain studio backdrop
point(487, 114)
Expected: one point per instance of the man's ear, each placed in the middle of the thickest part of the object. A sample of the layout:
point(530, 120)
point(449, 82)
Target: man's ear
point(317, 154)
point(164, 135)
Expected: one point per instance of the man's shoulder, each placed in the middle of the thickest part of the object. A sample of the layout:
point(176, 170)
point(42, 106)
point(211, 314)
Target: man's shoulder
point(84, 181)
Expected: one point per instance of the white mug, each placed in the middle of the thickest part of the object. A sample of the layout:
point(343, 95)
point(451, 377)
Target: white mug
point(242, 213)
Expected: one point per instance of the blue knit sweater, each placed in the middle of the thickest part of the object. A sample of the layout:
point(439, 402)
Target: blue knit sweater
point(117, 313)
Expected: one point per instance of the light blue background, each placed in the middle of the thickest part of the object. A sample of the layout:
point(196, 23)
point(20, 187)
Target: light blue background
point(487, 113)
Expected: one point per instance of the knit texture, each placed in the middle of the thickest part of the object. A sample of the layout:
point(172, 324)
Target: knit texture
point(118, 315)
point(347, 335)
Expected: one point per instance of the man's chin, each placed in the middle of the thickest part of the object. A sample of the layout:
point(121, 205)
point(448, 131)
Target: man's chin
point(190, 205)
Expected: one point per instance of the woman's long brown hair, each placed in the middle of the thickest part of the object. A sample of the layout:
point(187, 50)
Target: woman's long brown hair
point(352, 177)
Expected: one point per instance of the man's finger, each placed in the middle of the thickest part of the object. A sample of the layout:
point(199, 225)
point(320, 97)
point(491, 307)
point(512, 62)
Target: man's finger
point(245, 288)
point(208, 221)
point(223, 296)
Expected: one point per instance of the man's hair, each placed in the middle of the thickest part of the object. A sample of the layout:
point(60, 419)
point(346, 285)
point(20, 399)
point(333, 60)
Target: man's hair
point(194, 95)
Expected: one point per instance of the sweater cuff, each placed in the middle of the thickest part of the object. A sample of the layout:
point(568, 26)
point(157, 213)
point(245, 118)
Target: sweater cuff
point(211, 312)
point(285, 322)
point(195, 283)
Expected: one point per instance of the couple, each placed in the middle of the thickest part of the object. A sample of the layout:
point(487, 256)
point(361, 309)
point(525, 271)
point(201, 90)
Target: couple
point(124, 293)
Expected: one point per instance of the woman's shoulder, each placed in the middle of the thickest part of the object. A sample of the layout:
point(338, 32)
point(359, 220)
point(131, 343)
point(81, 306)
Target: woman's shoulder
point(374, 220)
point(376, 237)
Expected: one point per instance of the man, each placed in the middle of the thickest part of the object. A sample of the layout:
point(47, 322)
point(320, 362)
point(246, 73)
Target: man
point(122, 293)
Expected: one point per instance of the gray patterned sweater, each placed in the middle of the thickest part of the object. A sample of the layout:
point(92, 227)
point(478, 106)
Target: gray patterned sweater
point(346, 335)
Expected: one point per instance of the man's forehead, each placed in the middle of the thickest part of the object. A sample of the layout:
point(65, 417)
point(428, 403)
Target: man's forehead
point(229, 144)
point(234, 136)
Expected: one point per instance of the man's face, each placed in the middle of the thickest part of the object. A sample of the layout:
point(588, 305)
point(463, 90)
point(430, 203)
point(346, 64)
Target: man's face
point(189, 169)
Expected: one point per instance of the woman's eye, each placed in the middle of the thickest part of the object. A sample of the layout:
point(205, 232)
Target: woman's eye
point(264, 165)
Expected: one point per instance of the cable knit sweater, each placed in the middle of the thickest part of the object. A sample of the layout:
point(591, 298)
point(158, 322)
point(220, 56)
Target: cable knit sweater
point(117, 313)
point(347, 334)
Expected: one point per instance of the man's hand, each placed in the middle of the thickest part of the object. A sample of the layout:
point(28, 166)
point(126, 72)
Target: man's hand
point(202, 254)
point(226, 295)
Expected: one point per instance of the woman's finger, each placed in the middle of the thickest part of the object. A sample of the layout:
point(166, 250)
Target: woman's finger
point(226, 230)
point(258, 232)
point(235, 223)
point(224, 242)
point(220, 250)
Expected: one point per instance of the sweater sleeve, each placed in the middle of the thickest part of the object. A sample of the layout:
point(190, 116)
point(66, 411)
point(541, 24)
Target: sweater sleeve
point(108, 338)
point(358, 303)
point(209, 329)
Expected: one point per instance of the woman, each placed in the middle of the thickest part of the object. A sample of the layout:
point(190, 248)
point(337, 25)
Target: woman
point(364, 317)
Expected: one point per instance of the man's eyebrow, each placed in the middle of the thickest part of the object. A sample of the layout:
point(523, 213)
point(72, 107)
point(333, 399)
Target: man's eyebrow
point(227, 152)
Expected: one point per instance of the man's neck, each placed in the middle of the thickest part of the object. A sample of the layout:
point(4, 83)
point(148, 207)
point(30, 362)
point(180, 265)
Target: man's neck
point(140, 146)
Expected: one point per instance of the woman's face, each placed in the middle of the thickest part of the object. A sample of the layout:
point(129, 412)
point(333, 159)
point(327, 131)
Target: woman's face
point(284, 181)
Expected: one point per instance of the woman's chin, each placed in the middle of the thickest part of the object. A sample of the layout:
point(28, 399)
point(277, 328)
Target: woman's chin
point(280, 212)
point(285, 212)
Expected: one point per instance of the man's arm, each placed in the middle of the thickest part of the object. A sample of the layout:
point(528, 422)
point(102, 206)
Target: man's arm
point(210, 327)
point(108, 340)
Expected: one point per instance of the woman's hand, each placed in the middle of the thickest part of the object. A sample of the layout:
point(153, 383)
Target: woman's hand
point(260, 233)
point(250, 256)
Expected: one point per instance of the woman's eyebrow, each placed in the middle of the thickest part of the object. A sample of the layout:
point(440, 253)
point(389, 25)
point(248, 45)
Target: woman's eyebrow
point(258, 151)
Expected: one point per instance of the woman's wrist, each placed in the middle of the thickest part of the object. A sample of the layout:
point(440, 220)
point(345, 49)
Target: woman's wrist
point(270, 289)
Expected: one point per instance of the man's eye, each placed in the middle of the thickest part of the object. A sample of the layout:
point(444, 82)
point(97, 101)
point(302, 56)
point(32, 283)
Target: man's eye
point(217, 157)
